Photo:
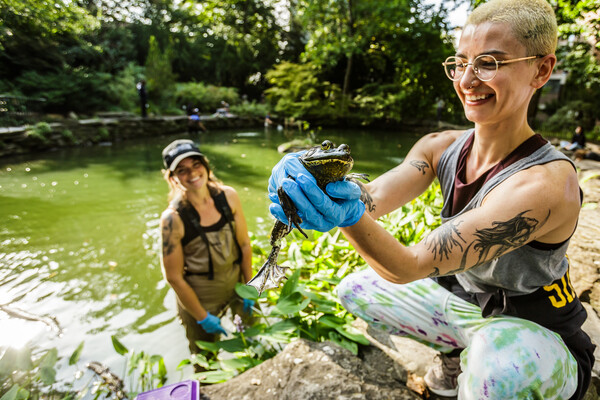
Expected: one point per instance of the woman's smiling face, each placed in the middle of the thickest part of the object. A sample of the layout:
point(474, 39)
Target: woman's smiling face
point(191, 173)
point(508, 94)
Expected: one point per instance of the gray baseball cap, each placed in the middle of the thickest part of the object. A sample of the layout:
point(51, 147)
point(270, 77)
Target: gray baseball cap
point(177, 151)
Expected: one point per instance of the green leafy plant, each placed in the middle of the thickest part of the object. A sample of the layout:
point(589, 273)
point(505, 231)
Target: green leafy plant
point(306, 306)
point(298, 91)
point(122, 93)
point(564, 121)
point(207, 98)
point(103, 134)
point(253, 109)
point(68, 136)
point(26, 374)
point(145, 371)
point(413, 221)
point(39, 133)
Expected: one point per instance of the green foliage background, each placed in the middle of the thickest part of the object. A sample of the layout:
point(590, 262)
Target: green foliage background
point(349, 62)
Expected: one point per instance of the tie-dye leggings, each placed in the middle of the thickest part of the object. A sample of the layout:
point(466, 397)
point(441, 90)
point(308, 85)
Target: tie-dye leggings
point(503, 357)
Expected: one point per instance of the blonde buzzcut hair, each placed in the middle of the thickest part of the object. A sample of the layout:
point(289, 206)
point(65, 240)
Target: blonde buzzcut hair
point(531, 21)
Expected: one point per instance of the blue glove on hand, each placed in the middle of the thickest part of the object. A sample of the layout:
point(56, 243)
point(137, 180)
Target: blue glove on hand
point(288, 166)
point(319, 211)
point(248, 304)
point(212, 324)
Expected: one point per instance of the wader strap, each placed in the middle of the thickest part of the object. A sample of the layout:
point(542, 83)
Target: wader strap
point(194, 218)
point(223, 206)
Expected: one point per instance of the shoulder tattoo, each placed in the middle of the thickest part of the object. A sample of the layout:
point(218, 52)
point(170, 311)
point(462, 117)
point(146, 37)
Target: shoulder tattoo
point(167, 234)
point(489, 243)
point(420, 165)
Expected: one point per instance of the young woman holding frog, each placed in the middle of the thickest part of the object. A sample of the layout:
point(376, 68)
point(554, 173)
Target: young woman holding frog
point(490, 287)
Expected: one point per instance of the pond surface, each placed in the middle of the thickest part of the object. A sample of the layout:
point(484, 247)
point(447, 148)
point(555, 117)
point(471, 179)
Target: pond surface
point(79, 230)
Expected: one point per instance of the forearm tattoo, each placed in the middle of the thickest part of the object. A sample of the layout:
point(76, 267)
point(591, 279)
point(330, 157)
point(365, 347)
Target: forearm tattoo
point(167, 233)
point(420, 165)
point(489, 243)
point(366, 198)
point(446, 238)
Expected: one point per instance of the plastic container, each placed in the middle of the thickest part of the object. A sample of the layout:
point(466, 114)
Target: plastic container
point(186, 390)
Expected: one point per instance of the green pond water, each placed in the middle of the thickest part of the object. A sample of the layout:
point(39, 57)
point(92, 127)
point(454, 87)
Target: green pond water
point(79, 230)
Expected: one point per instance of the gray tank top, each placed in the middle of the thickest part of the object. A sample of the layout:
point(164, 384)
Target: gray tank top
point(536, 267)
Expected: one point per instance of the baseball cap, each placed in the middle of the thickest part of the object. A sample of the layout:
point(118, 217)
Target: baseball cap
point(177, 151)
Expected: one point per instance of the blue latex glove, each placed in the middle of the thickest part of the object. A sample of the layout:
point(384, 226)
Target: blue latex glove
point(319, 211)
point(212, 324)
point(288, 166)
point(248, 304)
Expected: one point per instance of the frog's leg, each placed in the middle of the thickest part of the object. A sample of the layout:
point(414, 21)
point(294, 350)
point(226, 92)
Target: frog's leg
point(352, 177)
point(364, 195)
point(289, 208)
point(270, 274)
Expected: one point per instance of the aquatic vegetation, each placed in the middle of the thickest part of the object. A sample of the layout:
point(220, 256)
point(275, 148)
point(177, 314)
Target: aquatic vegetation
point(305, 307)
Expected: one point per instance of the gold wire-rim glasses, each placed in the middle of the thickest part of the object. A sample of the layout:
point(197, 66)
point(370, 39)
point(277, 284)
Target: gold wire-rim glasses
point(481, 65)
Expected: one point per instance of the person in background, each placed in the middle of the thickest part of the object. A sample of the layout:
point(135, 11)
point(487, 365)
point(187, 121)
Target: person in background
point(490, 287)
point(577, 141)
point(223, 111)
point(583, 154)
point(268, 120)
point(205, 243)
point(143, 94)
point(439, 105)
point(194, 123)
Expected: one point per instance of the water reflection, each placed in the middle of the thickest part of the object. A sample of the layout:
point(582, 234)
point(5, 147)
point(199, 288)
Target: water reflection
point(80, 235)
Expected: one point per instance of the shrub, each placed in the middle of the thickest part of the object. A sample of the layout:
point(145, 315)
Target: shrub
point(68, 136)
point(207, 98)
point(39, 133)
point(566, 118)
point(253, 109)
point(77, 89)
point(122, 93)
point(298, 91)
point(103, 134)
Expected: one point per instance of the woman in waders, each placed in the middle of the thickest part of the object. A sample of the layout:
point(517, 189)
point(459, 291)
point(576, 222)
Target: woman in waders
point(205, 243)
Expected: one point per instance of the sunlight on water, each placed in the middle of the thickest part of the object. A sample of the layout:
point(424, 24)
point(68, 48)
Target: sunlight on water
point(17, 333)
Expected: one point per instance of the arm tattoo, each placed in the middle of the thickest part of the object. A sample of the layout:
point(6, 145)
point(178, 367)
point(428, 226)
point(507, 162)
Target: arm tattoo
point(443, 241)
point(364, 195)
point(366, 198)
point(420, 165)
point(167, 232)
point(490, 243)
point(513, 233)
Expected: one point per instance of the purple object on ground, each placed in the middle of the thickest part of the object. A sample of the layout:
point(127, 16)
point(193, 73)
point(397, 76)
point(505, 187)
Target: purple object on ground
point(186, 390)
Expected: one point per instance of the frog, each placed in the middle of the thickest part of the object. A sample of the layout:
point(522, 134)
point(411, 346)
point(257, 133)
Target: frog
point(326, 163)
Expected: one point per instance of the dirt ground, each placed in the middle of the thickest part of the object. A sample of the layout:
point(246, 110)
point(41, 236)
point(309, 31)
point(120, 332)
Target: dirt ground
point(584, 250)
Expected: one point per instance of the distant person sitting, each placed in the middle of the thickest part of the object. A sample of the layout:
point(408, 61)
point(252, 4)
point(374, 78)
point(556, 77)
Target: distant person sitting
point(577, 141)
point(224, 110)
point(194, 123)
point(268, 120)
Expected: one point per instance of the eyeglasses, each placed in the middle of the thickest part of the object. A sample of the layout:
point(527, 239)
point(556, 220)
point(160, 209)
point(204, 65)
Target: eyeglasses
point(485, 66)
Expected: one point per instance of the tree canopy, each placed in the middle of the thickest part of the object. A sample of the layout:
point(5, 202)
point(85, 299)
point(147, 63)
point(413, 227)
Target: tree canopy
point(364, 60)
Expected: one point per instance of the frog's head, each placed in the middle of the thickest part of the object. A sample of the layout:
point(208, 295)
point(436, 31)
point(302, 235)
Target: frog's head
point(328, 163)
